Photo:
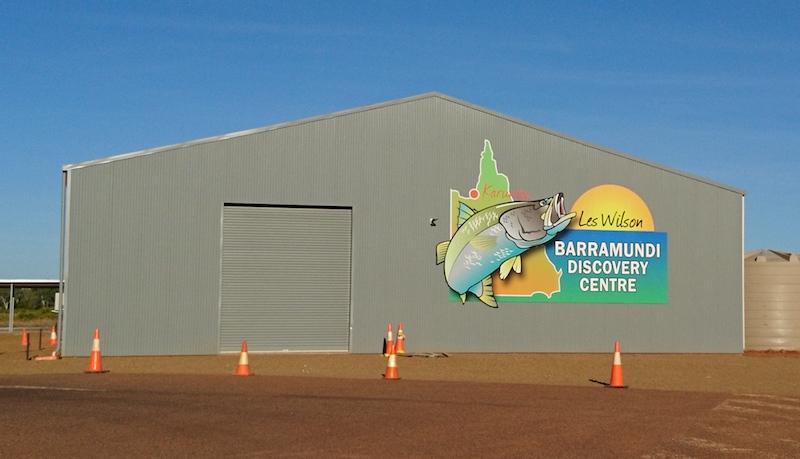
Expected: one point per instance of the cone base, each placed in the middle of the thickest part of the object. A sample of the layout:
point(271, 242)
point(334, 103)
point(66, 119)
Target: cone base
point(243, 371)
point(616, 387)
point(95, 371)
point(391, 372)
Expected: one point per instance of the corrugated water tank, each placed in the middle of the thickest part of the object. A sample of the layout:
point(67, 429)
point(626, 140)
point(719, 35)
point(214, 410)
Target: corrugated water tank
point(771, 300)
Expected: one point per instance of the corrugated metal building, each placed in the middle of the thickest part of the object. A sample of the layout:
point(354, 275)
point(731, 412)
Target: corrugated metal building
point(314, 235)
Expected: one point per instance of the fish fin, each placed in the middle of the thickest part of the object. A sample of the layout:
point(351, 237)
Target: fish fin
point(484, 242)
point(484, 291)
point(441, 251)
point(514, 263)
point(464, 212)
point(487, 295)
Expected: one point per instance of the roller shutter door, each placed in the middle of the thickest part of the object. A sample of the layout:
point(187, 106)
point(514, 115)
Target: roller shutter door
point(285, 278)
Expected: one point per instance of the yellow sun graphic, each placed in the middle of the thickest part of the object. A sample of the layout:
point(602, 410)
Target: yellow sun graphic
point(611, 207)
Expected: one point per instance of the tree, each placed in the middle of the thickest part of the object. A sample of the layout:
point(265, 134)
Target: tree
point(29, 298)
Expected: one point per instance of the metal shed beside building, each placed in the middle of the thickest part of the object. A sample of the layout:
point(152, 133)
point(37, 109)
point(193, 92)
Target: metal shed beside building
point(479, 232)
point(772, 300)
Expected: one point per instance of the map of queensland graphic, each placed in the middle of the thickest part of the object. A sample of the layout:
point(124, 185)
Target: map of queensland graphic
point(502, 245)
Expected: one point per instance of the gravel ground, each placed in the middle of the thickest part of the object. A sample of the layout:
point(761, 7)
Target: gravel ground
point(773, 373)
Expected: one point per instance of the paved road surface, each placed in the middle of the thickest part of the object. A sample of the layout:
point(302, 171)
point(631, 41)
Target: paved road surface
point(208, 416)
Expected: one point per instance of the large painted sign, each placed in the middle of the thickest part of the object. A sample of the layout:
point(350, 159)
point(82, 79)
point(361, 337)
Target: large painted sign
point(506, 247)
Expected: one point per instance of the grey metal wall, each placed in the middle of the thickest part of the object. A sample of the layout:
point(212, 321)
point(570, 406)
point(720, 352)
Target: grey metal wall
point(143, 234)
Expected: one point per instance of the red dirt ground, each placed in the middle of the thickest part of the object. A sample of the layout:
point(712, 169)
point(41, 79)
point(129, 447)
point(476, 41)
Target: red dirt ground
point(338, 406)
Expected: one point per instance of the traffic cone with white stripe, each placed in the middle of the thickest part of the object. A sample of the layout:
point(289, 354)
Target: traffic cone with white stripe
point(389, 345)
point(95, 364)
point(53, 336)
point(401, 338)
point(244, 362)
point(391, 367)
point(616, 370)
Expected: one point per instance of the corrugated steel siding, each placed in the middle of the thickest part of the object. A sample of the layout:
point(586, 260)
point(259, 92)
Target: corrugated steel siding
point(285, 279)
point(137, 267)
point(772, 306)
point(394, 165)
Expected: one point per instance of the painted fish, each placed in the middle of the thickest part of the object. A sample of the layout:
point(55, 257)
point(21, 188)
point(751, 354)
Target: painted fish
point(493, 239)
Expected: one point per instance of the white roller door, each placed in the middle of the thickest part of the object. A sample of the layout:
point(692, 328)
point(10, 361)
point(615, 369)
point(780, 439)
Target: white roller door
point(285, 278)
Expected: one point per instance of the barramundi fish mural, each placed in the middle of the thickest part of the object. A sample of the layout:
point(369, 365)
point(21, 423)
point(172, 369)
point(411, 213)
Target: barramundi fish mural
point(493, 239)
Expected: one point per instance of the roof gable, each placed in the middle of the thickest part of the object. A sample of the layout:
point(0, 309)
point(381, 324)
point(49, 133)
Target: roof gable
point(381, 105)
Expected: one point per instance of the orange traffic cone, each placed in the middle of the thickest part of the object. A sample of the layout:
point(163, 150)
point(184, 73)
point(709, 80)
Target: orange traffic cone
point(401, 346)
point(616, 370)
point(24, 337)
point(53, 336)
point(387, 349)
point(244, 362)
point(95, 365)
point(391, 367)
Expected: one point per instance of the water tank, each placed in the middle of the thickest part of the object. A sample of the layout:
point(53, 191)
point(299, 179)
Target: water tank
point(771, 300)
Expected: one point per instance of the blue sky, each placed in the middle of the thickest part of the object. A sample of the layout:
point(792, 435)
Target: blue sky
point(710, 88)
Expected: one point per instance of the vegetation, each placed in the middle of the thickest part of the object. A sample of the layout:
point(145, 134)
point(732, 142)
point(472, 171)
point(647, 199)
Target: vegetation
point(29, 318)
point(29, 298)
point(33, 307)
